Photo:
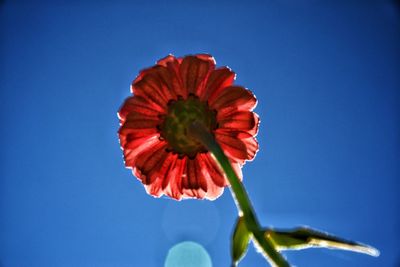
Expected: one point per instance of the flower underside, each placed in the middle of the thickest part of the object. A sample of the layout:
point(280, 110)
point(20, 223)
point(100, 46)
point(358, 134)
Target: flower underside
point(181, 114)
point(169, 99)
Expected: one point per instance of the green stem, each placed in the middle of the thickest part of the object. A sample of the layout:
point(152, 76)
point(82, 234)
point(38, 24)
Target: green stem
point(199, 132)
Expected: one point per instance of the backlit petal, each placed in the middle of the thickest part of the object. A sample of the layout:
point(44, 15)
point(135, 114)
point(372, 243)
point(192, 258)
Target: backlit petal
point(195, 71)
point(238, 150)
point(149, 87)
point(214, 170)
point(246, 121)
point(133, 147)
point(218, 80)
point(234, 97)
point(148, 161)
point(237, 167)
point(140, 121)
point(213, 190)
point(173, 181)
point(161, 172)
point(248, 140)
point(193, 183)
point(136, 104)
point(166, 81)
point(172, 65)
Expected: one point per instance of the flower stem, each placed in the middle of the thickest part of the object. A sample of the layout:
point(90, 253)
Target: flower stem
point(200, 133)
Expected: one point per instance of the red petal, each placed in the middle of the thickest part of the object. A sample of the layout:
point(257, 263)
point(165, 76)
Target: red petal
point(128, 139)
point(140, 121)
point(194, 183)
point(206, 57)
point(213, 190)
point(150, 160)
point(237, 167)
point(136, 104)
point(214, 170)
point(246, 138)
point(246, 121)
point(172, 183)
point(217, 81)
point(172, 65)
point(167, 82)
point(137, 126)
point(154, 189)
point(195, 71)
point(150, 88)
point(161, 173)
point(234, 97)
point(132, 148)
point(236, 149)
point(166, 60)
point(156, 173)
point(233, 148)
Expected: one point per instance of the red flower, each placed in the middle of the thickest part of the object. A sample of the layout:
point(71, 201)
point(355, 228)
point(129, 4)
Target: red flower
point(166, 99)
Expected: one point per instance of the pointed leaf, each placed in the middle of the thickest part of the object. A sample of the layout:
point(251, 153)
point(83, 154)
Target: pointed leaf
point(240, 240)
point(303, 237)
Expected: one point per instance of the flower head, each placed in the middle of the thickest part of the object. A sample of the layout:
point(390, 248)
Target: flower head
point(167, 98)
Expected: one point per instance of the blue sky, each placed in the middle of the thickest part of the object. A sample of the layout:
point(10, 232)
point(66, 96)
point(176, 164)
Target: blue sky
point(326, 78)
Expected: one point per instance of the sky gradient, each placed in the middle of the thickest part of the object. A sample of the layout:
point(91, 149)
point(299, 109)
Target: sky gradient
point(326, 76)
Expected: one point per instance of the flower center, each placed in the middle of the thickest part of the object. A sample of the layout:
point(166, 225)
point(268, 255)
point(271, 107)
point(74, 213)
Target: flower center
point(181, 114)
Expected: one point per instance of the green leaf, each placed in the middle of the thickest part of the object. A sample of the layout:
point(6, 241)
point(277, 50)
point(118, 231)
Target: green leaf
point(240, 241)
point(303, 237)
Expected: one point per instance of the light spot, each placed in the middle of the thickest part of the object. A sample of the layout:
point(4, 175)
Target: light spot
point(188, 254)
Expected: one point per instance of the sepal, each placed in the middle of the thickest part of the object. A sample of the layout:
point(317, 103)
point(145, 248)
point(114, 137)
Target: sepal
point(240, 241)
